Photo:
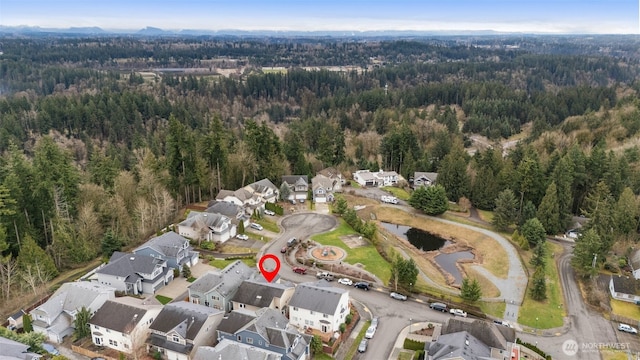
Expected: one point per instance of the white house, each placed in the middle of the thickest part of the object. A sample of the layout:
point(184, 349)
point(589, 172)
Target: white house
point(380, 178)
point(625, 288)
point(207, 226)
point(55, 317)
point(171, 247)
point(424, 179)
point(265, 190)
point(217, 289)
point(253, 295)
point(337, 180)
point(298, 186)
point(322, 189)
point(182, 327)
point(241, 197)
point(122, 327)
point(135, 274)
point(318, 306)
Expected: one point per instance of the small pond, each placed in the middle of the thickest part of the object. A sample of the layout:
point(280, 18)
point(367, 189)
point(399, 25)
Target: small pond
point(419, 238)
point(448, 263)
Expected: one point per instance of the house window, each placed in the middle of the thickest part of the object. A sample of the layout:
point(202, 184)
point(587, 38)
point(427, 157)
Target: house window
point(108, 330)
point(239, 338)
point(310, 312)
point(242, 306)
point(325, 316)
point(249, 340)
point(176, 338)
point(97, 340)
point(113, 343)
point(96, 327)
point(126, 346)
point(295, 309)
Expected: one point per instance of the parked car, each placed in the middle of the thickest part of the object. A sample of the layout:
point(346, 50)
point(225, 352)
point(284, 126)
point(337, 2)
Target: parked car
point(627, 328)
point(292, 241)
point(242, 236)
point(269, 212)
point(370, 332)
point(345, 281)
point(325, 275)
point(299, 270)
point(502, 322)
point(398, 296)
point(362, 285)
point(374, 322)
point(283, 250)
point(256, 226)
point(439, 306)
point(458, 312)
point(363, 346)
point(50, 349)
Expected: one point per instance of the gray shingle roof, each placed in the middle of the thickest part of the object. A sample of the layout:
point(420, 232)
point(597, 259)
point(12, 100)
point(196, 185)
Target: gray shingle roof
point(118, 317)
point(228, 349)
point(197, 219)
point(458, 345)
point(429, 175)
point(228, 209)
point(321, 181)
point(319, 296)
point(125, 264)
point(168, 244)
point(488, 333)
point(626, 284)
point(295, 179)
point(183, 317)
point(225, 281)
point(259, 294)
point(73, 296)
point(262, 185)
point(11, 350)
point(330, 172)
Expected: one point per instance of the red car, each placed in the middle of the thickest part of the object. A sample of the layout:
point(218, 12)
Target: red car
point(299, 270)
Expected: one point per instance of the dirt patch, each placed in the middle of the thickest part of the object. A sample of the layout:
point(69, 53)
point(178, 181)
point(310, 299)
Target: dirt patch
point(327, 253)
point(424, 331)
point(354, 241)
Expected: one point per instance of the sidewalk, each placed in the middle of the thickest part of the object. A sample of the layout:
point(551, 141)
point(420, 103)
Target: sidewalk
point(398, 345)
point(365, 315)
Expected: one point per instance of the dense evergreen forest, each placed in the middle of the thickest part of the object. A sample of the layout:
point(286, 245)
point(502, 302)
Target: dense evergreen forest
point(104, 138)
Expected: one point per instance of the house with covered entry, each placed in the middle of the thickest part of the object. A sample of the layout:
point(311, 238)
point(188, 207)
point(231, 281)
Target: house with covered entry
point(266, 329)
point(205, 226)
point(181, 327)
point(171, 247)
point(134, 274)
point(298, 186)
point(424, 179)
point(379, 178)
point(256, 294)
point(123, 326)
point(265, 190)
point(216, 289)
point(318, 305)
point(233, 211)
point(324, 188)
point(55, 318)
point(625, 288)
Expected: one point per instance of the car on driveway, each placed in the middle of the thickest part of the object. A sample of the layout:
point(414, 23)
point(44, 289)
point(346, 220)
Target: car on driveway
point(242, 237)
point(370, 332)
point(345, 281)
point(256, 226)
point(362, 285)
point(50, 349)
point(398, 296)
point(299, 270)
point(458, 312)
point(269, 212)
point(627, 328)
point(363, 346)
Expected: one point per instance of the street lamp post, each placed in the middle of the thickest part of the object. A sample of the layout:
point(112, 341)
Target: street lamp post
point(536, 325)
point(410, 325)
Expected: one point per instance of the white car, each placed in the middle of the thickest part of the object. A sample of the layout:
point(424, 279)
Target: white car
point(627, 328)
point(345, 281)
point(370, 332)
point(242, 237)
point(256, 226)
point(398, 296)
point(269, 212)
point(458, 312)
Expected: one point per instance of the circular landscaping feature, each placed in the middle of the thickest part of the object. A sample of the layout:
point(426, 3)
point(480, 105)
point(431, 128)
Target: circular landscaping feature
point(327, 253)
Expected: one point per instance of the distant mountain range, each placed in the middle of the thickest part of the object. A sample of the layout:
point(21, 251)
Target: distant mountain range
point(153, 31)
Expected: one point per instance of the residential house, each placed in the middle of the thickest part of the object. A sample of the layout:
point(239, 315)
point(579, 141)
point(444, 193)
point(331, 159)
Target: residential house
point(253, 295)
point(16, 320)
point(323, 189)
point(241, 197)
point(337, 180)
point(122, 327)
point(481, 335)
point(180, 327)
point(231, 210)
point(424, 179)
point(380, 178)
point(13, 350)
point(55, 317)
point(298, 187)
point(264, 189)
point(227, 349)
point(625, 288)
point(170, 247)
point(135, 274)
point(216, 289)
point(634, 262)
point(207, 226)
point(265, 329)
point(318, 306)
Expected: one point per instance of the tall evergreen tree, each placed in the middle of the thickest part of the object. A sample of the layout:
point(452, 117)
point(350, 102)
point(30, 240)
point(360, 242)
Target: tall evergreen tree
point(539, 284)
point(470, 290)
point(588, 249)
point(563, 175)
point(549, 211)
point(506, 212)
point(598, 207)
point(626, 213)
point(452, 174)
point(534, 232)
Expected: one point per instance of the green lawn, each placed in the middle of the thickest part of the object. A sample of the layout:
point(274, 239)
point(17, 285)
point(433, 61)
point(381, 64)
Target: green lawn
point(365, 255)
point(548, 313)
point(625, 309)
point(405, 355)
point(221, 264)
point(322, 356)
point(401, 194)
point(356, 342)
point(493, 308)
point(614, 355)
point(268, 225)
point(163, 299)
point(486, 215)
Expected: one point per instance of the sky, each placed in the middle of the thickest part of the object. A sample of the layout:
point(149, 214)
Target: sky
point(532, 16)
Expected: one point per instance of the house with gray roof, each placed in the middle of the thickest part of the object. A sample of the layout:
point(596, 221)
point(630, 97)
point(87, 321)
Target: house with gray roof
point(424, 179)
point(55, 317)
point(265, 190)
point(181, 327)
point(122, 327)
point(205, 226)
point(325, 184)
point(241, 197)
point(16, 320)
point(472, 340)
point(233, 211)
point(335, 176)
point(216, 289)
point(625, 288)
point(134, 274)
point(255, 294)
point(171, 247)
point(227, 349)
point(266, 329)
point(13, 350)
point(459, 345)
point(378, 178)
point(298, 186)
point(319, 306)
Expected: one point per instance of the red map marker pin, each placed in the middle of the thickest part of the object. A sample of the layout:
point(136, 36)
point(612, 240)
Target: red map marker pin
point(269, 274)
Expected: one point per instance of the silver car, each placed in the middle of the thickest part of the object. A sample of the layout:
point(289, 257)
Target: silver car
point(363, 346)
point(398, 296)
